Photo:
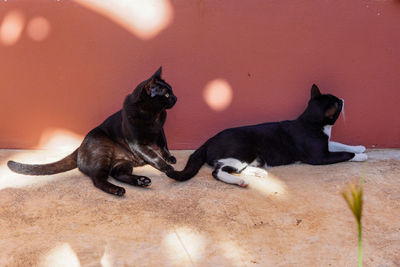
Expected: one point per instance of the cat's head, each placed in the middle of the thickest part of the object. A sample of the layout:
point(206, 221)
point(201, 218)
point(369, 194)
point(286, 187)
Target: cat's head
point(322, 109)
point(156, 92)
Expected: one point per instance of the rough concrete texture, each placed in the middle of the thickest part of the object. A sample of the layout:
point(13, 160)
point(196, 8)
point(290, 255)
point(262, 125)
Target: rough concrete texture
point(294, 217)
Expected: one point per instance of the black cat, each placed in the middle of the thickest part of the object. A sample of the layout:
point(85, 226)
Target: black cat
point(131, 137)
point(244, 149)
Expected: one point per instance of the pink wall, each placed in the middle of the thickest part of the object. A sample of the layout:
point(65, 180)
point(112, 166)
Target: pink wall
point(268, 51)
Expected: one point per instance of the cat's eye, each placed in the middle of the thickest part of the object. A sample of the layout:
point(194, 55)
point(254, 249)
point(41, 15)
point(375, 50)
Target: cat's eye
point(166, 95)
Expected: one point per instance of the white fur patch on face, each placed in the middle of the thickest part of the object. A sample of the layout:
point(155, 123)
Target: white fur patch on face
point(328, 130)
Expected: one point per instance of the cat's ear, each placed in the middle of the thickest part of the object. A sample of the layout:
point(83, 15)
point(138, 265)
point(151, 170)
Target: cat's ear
point(315, 91)
point(157, 74)
point(152, 81)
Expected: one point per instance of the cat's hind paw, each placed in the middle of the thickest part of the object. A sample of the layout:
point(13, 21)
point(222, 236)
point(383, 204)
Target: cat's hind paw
point(143, 181)
point(360, 157)
point(243, 183)
point(254, 171)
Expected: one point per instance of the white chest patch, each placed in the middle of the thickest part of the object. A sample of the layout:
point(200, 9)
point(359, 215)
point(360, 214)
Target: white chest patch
point(328, 130)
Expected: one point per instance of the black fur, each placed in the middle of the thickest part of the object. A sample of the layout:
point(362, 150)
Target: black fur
point(276, 143)
point(131, 137)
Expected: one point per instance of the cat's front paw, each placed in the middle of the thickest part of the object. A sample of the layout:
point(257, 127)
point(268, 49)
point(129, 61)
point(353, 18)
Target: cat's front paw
point(171, 160)
point(360, 157)
point(118, 191)
point(359, 149)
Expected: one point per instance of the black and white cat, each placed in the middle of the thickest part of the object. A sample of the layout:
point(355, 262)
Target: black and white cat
point(249, 149)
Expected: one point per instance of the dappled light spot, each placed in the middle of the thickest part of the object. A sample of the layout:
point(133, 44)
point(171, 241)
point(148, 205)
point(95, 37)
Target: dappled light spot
point(60, 256)
point(218, 94)
point(106, 259)
point(60, 139)
point(268, 185)
point(233, 252)
point(38, 28)
point(11, 27)
point(184, 246)
point(145, 19)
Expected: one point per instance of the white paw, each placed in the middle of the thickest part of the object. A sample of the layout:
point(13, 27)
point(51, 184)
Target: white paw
point(359, 149)
point(260, 173)
point(254, 171)
point(360, 157)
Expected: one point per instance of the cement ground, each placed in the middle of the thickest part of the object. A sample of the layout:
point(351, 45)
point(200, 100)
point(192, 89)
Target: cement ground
point(295, 216)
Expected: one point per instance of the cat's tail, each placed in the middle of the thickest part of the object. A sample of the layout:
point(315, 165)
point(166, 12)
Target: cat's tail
point(63, 165)
point(196, 160)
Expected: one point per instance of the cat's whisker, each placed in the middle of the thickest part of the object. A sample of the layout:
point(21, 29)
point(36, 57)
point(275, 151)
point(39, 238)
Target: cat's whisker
point(343, 113)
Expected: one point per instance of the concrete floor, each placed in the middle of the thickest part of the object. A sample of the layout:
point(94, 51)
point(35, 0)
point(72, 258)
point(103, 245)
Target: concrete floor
point(294, 217)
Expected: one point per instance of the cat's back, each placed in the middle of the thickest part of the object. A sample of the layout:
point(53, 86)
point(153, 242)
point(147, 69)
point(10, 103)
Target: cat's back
point(112, 126)
point(265, 129)
point(250, 134)
point(112, 121)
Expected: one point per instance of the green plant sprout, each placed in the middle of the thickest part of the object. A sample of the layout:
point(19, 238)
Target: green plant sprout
point(354, 198)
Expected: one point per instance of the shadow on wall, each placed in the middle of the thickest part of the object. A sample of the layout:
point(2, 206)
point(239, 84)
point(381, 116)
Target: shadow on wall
point(69, 64)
